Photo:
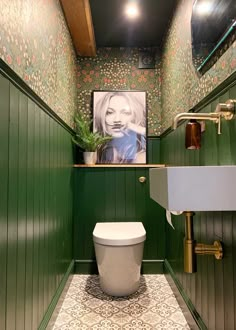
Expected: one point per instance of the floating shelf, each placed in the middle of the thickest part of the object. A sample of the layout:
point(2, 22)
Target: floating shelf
point(121, 165)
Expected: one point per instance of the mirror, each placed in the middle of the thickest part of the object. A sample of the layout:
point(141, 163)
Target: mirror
point(213, 27)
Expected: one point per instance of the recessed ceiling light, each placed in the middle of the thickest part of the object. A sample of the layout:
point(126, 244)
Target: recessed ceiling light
point(131, 10)
point(204, 8)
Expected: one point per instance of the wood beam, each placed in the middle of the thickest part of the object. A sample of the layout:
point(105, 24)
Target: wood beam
point(79, 20)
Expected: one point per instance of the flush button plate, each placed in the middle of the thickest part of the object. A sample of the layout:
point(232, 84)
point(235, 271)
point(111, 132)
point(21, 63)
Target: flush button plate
point(142, 179)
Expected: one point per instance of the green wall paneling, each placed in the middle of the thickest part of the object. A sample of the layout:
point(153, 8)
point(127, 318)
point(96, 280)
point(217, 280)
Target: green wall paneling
point(35, 206)
point(4, 161)
point(212, 290)
point(115, 194)
point(22, 210)
point(153, 150)
point(12, 209)
point(29, 216)
point(171, 277)
point(65, 282)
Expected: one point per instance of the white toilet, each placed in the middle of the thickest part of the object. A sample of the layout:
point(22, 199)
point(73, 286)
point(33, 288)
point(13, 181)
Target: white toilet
point(119, 253)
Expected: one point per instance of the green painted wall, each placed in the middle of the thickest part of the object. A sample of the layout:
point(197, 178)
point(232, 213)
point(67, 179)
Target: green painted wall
point(35, 208)
point(115, 194)
point(212, 289)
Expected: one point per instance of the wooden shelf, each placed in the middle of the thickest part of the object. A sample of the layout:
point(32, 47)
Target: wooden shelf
point(121, 165)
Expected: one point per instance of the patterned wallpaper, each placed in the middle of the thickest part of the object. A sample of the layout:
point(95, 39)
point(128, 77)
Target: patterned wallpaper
point(182, 86)
point(35, 43)
point(117, 69)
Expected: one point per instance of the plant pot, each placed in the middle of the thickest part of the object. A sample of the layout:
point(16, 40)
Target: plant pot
point(90, 157)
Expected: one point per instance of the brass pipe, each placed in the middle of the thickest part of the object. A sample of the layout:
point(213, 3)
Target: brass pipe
point(189, 225)
point(190, 265)
point(191, 248)
point(216, 249)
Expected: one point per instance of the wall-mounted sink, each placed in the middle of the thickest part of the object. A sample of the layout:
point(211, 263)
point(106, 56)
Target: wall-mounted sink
point(194, 188)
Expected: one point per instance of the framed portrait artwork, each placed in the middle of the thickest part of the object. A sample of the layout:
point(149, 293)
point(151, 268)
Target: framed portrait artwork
point(121, 115)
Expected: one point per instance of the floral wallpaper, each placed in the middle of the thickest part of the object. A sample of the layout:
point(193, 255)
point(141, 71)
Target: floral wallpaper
point(117, 69)
point(36, 44)
point(174, 85)
point(182, 86)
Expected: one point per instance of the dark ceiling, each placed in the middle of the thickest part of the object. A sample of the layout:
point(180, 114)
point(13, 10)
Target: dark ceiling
point(113, 29)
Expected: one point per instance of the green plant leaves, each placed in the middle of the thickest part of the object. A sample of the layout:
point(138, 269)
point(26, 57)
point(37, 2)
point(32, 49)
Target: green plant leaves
point(85, 138)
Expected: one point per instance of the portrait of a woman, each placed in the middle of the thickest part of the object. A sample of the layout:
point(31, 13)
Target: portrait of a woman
point(121, 115)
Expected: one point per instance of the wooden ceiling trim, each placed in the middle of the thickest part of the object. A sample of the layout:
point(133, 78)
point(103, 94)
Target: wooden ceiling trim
point(79, 20)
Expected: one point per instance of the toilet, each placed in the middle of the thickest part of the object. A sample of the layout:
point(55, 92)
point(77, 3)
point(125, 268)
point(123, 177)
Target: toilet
point(119, 253)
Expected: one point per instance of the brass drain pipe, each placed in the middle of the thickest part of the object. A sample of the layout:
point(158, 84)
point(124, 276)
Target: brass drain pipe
point(191, 248)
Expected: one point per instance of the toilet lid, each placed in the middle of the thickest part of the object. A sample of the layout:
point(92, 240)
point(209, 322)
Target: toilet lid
point(119, 233)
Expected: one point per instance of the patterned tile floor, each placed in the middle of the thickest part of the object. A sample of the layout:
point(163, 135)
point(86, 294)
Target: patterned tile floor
point(153, 306)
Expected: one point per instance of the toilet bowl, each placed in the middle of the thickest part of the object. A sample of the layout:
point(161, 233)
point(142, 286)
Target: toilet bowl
point(119, 253)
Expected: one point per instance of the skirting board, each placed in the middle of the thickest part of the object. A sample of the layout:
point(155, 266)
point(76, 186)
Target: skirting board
point(90, 267)
point(180, 294)
point(56, 297)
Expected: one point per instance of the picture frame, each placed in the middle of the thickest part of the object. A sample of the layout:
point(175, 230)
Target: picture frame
point(123, 116)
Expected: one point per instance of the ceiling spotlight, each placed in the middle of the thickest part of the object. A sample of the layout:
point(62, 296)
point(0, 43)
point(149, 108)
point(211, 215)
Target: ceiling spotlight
point(132, 10)
point(204, 8)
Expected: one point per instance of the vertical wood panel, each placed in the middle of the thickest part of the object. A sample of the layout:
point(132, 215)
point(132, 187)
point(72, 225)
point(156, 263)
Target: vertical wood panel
point(90, 204)
point(219, 279)
point(47, 273)
point(211, 309)
point(50, 211)
point(67, 167)
point(140, 192)
point(56, 202)
point(149, 150)
point(62, 201)
point(58, 207)
point(153, 151)
point(12, 208)
point(22, 210)
point(228, 272)
point(95, 199)
point(110, 195)
point(120, 194)
point(4, 159)
point(30, 218)
point(36, 221)
point(130, 196)
point(78, 198)
point(41, 218)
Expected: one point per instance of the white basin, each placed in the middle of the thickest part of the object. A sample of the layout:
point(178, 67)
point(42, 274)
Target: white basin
point(194, 188)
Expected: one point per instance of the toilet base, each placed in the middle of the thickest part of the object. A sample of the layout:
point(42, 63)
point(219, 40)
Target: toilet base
point(118, 289)
point(119, 268)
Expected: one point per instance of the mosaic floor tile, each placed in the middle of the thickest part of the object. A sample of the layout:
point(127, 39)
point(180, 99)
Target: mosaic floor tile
point(153, 306)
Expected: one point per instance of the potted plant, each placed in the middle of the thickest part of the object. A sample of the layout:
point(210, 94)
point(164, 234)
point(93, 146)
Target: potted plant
point(87, 140)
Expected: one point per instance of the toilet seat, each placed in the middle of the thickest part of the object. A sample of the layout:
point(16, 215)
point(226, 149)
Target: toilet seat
point(119, 233)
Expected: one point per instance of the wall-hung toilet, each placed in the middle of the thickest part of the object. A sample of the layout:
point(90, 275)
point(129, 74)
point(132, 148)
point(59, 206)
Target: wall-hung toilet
point(119, 253)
